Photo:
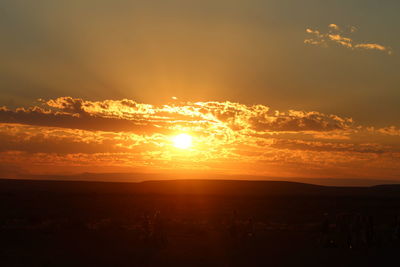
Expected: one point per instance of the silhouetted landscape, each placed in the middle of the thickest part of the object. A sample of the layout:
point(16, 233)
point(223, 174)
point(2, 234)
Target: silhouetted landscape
point(197, 223)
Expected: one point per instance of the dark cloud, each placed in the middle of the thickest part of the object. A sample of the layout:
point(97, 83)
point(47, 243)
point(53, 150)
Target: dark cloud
point(68, 104)
point(83, 121)
point(311, 121)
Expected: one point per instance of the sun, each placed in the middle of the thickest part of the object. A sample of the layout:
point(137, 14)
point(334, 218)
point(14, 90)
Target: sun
point(182, 141)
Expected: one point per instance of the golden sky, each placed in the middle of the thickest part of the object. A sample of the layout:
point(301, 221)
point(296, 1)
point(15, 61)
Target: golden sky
point(278, 88)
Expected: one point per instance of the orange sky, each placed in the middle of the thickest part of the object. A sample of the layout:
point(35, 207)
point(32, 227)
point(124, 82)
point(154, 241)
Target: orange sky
point(67, 135)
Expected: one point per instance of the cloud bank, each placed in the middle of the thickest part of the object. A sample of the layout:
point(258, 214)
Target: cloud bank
point(123, 135)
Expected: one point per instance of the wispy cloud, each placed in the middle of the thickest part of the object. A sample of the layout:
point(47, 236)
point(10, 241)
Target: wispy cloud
point(337, 35)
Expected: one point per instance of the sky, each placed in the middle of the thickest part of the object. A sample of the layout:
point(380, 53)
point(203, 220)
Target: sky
point(270, 88)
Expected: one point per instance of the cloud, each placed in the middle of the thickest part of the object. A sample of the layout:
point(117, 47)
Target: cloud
point(337, 36)
point(69, 133)
point(84, 121)
point(347, 42)
point(334, 26)
point(294, 121)
point(391, 130)
point(329, 146)
point(129, 116)
point(373, 47)
point(36, 139)
point(317, 39)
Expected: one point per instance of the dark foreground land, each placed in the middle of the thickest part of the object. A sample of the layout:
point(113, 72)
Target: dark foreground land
point(197, 223)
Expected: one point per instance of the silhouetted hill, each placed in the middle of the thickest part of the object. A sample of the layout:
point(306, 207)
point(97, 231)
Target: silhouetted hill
point(193, 223)
point(141, 177)
point(195, 187)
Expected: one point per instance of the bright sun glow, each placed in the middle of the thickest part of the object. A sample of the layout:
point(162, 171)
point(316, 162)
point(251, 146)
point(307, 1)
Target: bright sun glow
point(182, 141)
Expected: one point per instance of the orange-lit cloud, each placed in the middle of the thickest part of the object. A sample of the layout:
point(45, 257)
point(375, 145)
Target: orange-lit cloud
point(129, 116)
point(81, 135)
point(341, 37)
